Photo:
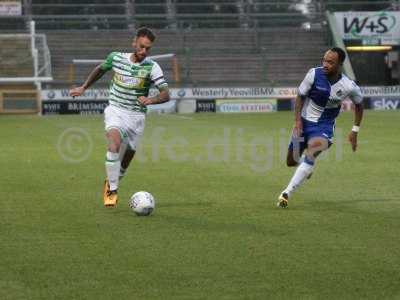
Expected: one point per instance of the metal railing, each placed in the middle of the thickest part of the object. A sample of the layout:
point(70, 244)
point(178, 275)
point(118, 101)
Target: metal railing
point(168, 14)
point(333, 5)
point(129, 14)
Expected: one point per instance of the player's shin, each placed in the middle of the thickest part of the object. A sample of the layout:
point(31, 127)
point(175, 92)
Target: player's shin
point(125, 162)
point(303, 171)
point(113, 165)
point(122, 172)
point(122, 152)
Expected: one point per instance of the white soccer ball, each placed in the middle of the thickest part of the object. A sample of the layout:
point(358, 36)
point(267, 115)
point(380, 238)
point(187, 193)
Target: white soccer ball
point(142, 203)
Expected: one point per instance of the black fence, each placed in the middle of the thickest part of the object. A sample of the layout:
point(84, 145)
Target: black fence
point(180, 14)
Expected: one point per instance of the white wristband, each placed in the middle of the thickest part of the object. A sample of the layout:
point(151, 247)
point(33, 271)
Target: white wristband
point(355, 128)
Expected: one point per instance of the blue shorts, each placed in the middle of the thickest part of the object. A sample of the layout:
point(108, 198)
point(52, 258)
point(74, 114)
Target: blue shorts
point(312, 130)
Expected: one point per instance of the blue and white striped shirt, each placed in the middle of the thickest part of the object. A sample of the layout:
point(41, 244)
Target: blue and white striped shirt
point(323, 99)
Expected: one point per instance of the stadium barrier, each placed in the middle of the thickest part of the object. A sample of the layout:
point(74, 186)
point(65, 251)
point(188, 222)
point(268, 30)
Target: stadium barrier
point(21, 95)
point(20, 102)
point(191, 100)
point(21, 84)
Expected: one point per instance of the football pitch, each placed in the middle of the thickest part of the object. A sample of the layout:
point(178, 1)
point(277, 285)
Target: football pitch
point(216, 232)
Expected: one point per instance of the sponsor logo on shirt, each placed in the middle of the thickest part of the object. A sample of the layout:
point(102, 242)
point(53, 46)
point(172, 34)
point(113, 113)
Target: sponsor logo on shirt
point(128, 81)
point(333, 102)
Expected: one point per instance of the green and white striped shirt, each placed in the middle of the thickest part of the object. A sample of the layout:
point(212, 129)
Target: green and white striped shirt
point(132, 80)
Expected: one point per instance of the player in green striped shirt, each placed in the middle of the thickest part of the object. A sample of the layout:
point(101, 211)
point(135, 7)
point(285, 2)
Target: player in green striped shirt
point(124, 117)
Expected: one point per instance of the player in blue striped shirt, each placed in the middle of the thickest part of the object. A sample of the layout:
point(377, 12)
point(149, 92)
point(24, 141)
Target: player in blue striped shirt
point(317, 105)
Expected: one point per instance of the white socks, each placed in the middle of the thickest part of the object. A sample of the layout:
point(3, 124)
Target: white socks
point(304, 170)
point(113, 165)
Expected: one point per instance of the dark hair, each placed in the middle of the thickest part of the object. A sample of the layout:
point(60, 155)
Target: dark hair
point(144, 31)
point(340, 52)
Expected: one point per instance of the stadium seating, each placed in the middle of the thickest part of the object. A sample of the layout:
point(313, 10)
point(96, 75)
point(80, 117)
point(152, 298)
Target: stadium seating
point(15, 57)
point(278, 56)
point(217, 42)
point(12, 24)
point(94, 14)
point(371, 5)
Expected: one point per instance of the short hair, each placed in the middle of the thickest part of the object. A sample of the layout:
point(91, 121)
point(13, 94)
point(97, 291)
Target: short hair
point(144, 31)
point(340, 52)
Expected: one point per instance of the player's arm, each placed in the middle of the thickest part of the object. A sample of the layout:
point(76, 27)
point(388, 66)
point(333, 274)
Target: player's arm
point(358, 115)
point(356, 97)
point(95, 75)
point(157, 77)
point(162, 97)
point(298, 123)
point(303, 90)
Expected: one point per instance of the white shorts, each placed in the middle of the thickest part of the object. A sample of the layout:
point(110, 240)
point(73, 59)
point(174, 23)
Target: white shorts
point(129, 123)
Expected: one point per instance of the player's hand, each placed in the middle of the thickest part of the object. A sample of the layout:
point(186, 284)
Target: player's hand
point(77, 91)
point(297, 129)
point(353, 140)
point(145, 101)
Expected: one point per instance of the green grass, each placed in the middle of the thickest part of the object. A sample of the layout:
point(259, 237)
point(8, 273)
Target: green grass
point(216, 232)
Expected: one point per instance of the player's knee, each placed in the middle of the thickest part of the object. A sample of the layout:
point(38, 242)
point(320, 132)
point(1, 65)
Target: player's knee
point(316, 153)
point(290, 162)
point(114, 142)
point(290, 159)
point(114, 146)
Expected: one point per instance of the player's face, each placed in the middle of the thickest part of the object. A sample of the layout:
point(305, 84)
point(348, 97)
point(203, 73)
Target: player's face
point(330, 63)
point(141, 46)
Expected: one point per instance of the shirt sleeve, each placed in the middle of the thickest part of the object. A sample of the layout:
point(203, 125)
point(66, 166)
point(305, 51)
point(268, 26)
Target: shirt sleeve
point(108, 63)
point(355, 94)
point(157, 77)
point(307, 82)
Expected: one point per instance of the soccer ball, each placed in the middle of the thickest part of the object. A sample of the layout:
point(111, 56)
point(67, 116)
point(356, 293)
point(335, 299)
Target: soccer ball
point(142, 203)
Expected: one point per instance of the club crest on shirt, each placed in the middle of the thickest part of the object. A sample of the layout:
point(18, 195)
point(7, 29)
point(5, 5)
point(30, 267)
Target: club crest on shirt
point(143, 73)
